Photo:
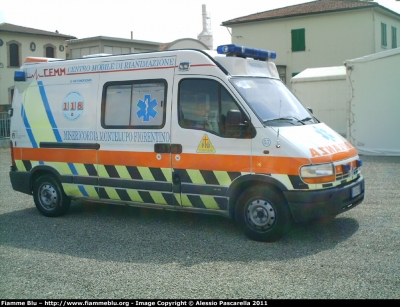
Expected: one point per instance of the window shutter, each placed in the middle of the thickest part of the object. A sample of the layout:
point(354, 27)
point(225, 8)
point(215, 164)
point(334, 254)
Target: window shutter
point(298, 40)
point(294, 40)
point(302, 39)
point(383, 35)
point(14, 55)
point(49, 52)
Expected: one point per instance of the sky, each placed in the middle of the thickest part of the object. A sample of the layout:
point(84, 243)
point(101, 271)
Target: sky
point(150, 20)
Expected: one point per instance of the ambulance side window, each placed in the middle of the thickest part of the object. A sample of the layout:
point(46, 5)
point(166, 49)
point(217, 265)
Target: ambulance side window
point(134, 104)
point(204, 104)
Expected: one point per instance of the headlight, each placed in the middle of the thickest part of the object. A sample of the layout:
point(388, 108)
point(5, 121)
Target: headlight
point(320, 173)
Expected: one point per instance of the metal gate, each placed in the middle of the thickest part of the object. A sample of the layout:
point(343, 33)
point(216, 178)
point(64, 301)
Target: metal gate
point(4, 125)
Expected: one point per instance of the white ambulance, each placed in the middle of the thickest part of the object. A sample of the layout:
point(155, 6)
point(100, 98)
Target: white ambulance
point(190, 130)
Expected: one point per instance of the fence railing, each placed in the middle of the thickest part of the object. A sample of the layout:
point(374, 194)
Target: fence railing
point(4, 125)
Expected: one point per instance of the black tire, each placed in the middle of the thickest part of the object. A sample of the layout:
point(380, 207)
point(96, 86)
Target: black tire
point(49, 196)
point(263, 213)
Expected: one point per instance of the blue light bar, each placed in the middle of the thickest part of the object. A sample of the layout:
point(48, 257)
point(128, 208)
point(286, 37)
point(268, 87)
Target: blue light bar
point(243, 51)
point(19, 75)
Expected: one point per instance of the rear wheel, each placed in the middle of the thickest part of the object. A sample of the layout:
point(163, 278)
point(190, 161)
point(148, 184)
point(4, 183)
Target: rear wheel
point(49, 196)
point(263, 213)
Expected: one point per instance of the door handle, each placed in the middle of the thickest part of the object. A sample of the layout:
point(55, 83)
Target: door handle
point(168, 148)
point(176, 148)
point(162, 148)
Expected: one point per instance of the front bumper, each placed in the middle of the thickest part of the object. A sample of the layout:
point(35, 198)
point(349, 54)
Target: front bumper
point(310, 205)
point(20, 181)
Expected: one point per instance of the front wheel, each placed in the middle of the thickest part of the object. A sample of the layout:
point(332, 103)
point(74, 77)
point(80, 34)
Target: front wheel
point(49, 196)
point(263, 214)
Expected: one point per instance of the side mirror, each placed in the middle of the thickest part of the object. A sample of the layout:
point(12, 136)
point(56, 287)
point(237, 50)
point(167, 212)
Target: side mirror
point(233, 118)
point(237, 126)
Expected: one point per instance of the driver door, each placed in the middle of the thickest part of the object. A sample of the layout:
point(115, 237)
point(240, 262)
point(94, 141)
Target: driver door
point(213, 153)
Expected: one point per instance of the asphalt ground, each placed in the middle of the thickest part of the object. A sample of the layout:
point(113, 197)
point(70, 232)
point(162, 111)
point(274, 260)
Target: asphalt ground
point(100, 251)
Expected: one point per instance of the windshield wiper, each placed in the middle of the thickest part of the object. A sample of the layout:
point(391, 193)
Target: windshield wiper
point(307, 119)
point(288, 118)
point(278, 119)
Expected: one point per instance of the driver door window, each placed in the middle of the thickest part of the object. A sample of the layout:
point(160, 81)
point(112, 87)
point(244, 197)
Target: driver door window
point(205, 105)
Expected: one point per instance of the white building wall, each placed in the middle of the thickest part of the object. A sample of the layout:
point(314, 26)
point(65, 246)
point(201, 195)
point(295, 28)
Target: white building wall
point(330, 38)
point(389, 21)
point(7, 73)
point(207, 40)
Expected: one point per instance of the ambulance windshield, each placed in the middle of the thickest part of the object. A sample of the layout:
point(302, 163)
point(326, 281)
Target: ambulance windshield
point(272, 102)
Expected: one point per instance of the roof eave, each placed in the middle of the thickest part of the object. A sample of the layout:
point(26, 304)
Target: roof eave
point(66, 37)
point(109, 38)
point(227, 24)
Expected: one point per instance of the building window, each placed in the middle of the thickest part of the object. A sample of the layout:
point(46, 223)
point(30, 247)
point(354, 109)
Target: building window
point(294, 74)
point(32, 47)
point(383, 35)
point(14, 56)
point(75, 53)
point(10, 94)
point(49, 51)
point(116, 50)
point(394, 37)
point(282, 72)
point(134, 104)
point(299, 40)
point(81, 52)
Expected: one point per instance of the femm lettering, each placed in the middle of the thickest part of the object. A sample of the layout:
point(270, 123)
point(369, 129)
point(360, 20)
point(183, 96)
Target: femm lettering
point(52, 72)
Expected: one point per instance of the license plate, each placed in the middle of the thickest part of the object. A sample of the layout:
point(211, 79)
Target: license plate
point(355, 190)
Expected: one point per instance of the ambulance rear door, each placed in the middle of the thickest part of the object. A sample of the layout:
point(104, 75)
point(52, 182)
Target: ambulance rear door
point(134, 160)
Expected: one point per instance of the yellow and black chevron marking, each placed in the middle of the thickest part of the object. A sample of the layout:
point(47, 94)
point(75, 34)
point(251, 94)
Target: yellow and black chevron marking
point(198, 188)
point(195, 186)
